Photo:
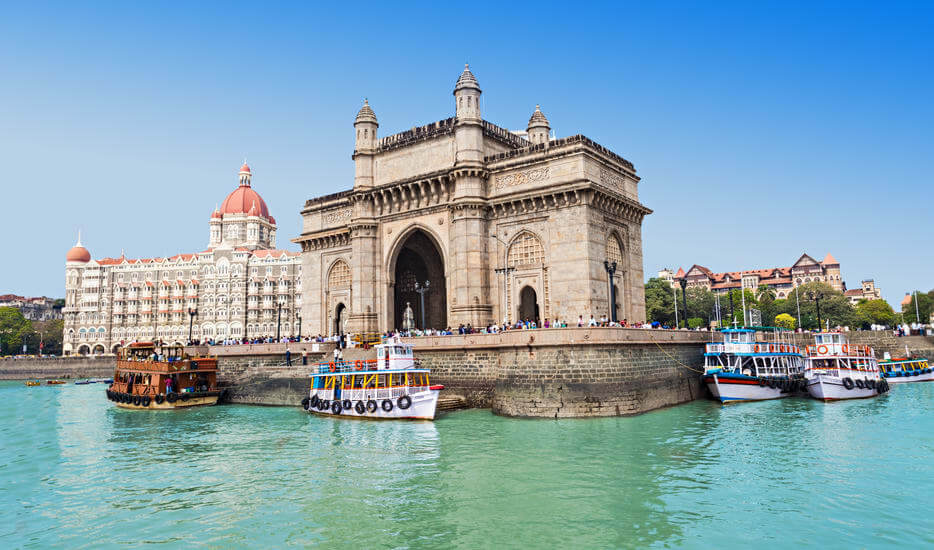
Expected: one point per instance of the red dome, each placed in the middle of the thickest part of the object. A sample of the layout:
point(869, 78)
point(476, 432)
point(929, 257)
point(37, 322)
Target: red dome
point(242, 200)
point(78, 254)
point(216, 214)
point(245, 168)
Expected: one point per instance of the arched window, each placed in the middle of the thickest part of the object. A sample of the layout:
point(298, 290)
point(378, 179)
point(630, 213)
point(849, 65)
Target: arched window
point(614, 252)
point(339, 276)
point(525, 249)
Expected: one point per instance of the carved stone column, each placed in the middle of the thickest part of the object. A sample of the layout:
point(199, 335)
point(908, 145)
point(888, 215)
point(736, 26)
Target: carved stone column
point(470, 265)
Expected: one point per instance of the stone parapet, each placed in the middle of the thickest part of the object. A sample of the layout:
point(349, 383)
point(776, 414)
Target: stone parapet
point(63, 367)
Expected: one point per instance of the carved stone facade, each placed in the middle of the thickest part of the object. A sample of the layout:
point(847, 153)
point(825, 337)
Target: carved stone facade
point(481, 223)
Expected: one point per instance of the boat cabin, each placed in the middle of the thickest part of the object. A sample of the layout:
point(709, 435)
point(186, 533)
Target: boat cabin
point(145, 368)
point(394, 355)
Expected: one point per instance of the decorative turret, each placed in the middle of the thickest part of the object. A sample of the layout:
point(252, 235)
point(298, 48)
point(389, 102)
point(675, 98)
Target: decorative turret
point(538, 127)
point(78, 253)
point(467, 96)
point(245, 175)
point(365, 125)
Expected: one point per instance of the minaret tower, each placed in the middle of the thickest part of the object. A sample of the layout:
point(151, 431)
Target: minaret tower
point(365, 147)
point(538, 127)
point(246, 176)
point(470, 299)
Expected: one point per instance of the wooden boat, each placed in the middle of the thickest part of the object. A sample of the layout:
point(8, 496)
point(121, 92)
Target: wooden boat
point(55, 382)
point(150, 376)
point(741, 368)
point(390, 387)
point(838, 370)
point(899, 371)
point(33, 383)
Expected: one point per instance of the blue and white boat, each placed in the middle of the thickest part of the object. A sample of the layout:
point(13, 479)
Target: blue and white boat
point(744, 368)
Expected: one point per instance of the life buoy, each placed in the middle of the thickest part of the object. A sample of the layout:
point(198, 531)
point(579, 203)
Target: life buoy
point(347, 404)
point(771, 348)
point(358, 364)
point(332, 367)
point(404, 402)
point(171, 397)
point(822, 349)
point(360, 407)
point(305, 402)
point(756, 348)
point(159, 398)
point(185, 396)
point(336, 407)
point(146, 401)
point(371, 406)
point(859, 383)
point(314, 400)
point(848, 383)
point(387, 405)
point(136, 400)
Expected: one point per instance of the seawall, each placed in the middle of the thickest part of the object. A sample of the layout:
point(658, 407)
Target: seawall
point(551, 373)
point(64, 367)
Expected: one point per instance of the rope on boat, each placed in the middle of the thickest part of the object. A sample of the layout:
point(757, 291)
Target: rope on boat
point(675, 359)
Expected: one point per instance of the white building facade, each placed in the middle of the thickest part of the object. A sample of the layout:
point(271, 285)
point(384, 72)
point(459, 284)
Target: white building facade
point(240, 287)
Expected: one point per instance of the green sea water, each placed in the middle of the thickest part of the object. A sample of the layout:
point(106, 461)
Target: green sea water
point(75, 472)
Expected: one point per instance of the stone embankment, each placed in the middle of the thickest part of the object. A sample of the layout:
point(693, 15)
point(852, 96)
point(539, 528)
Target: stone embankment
point(63, 367)
point(542, 373)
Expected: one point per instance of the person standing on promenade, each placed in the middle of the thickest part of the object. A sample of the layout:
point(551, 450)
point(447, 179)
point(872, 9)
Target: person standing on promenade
point(304, 357)
point(288, 356)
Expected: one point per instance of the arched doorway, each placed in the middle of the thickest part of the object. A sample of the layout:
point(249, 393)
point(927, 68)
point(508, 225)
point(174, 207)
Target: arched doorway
point(339, 314)
point(418, 261)
point(528, 305)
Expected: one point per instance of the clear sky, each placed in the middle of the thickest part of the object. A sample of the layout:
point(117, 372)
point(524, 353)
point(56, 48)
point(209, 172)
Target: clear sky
point(761, 130)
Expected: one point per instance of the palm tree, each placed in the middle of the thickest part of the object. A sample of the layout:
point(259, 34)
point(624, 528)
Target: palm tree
point(765, 291)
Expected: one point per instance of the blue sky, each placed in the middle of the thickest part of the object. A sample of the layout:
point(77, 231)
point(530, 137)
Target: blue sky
point(761, 130)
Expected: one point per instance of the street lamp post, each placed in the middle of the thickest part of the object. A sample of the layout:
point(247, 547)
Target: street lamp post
point(917, 313)
point(731, 306)
point(610, 270)
point(278, 319)
point(684, 299)
point(816, 296)
point(299, 327)
point(191, 322)
point(422, 289)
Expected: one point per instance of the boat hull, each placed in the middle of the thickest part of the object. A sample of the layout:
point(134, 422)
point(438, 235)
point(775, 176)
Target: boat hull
point(423, 407)
point(832, 389)
point(925, 377)
point(734, 389)
point(200, 400)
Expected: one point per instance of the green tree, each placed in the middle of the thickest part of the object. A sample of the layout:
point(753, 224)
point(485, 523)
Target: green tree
point(659, 301)
point(875, 312)
point(701, 304)
point(13, 328)
point(51, 333)
point(834, 306)
point(737, 296)
point(784, 320)
point(925, 303)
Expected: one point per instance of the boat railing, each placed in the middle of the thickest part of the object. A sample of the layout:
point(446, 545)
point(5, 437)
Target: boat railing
point(847, 350)
point(168, 366)
point(350, 367)
point(751, 347)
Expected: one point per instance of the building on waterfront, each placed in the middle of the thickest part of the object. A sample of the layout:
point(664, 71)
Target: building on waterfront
point(866, 291)
point(240, 286)
point(494, 224)
point(782, 280)
point(38, 308)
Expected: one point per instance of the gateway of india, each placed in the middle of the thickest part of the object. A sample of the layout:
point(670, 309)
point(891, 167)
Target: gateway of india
point(479, 223)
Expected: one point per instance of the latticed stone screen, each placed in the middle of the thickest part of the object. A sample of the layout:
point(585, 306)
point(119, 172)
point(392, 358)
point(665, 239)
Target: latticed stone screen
point(525, 250)
point(613, 251)
point(339, 277)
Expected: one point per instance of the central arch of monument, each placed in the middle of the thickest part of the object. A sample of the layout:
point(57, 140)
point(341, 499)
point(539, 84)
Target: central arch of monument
point(418, 260)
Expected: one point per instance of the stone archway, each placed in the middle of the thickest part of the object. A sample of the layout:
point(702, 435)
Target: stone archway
point(528, 305)
point(340, 316)
point(419, 260)
point(84, 350)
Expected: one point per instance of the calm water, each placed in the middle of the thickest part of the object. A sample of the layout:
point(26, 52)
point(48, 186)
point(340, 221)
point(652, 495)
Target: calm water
point(76, 472)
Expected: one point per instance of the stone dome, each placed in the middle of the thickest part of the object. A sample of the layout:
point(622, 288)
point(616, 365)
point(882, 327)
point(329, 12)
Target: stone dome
point(538, 119)
point(366, 113)
point(466, 80)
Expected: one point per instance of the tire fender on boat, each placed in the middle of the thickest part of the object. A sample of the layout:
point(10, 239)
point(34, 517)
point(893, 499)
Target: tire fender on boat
point(324, 405)
point(346, 405)
point(848, 383)
point(146, 401)
point(159, 398)
point(171, 397)
point(404, 402)
point(762, 382)
point(360, 407)
point(185, 396)
point(371, 406)
point(305, 402)
point(137, 400)
point(313, 402)
point(336, 407)
point(859, 383)
point(387, 405)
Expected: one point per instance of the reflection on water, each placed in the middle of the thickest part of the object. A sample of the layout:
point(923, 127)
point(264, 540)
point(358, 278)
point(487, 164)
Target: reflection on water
point(75, 471)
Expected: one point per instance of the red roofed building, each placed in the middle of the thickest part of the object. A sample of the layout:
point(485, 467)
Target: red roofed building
point(781, 279)
point(234, 288)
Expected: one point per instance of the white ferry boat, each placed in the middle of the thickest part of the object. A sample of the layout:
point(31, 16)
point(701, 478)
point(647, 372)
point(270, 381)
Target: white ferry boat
point(741, 368)
point(836, 369)
point(389, 387)
point(899, 371)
